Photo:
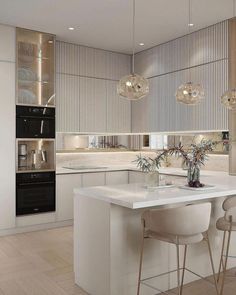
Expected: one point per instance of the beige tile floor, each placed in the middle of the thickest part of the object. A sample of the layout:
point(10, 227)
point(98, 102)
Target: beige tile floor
point(38, 263)
point(41, 263)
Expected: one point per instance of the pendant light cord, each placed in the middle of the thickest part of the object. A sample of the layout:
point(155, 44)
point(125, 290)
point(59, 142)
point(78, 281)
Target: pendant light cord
point(133, 37)
point(233, 8)
point(189, 32)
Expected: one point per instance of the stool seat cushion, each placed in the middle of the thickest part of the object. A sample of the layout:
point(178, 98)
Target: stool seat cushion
point(224, 225)
point(182, 240)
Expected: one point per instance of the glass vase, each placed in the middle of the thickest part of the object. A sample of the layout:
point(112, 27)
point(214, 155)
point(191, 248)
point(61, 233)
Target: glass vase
point(193, 175)
point(152, 179)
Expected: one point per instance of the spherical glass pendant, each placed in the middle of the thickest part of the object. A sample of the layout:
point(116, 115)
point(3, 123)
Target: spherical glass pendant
point(133, 87)
point(228, 99)
point(190, 93)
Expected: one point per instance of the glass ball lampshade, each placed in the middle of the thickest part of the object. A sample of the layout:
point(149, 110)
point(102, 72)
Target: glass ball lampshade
point(228, 99)
point(190, 93)
point(133, 87)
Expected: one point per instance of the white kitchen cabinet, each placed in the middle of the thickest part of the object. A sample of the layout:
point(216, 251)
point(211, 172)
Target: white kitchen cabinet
point(7, 45)
point(67, 101)
point(136, 177)
point(117, 177)
point(7, 146)
point(93, 179)
point(65, 183)
point(92, 94)
point(166, 66)
point(159, 111)
point(118, 110)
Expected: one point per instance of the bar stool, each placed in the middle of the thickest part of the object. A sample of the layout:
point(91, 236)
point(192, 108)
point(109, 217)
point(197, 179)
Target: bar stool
point(179, 226)
point(227, 224)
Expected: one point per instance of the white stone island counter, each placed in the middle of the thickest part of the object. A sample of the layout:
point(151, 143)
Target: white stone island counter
point(107, 234)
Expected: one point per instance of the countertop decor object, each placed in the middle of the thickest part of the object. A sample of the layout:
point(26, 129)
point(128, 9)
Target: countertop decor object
point(133, 86)
point(193, 157)
point(190, 93)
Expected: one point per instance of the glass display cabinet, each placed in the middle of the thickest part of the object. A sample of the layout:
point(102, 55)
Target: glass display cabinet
point(35, 68)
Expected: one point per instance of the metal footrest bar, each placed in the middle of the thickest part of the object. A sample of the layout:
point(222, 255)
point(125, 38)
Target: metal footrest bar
point(154, 288)
point(162, 274)
point(201, 277)
point(143, 281)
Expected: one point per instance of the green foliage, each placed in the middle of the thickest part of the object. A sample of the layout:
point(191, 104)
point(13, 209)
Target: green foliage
point(195, 157)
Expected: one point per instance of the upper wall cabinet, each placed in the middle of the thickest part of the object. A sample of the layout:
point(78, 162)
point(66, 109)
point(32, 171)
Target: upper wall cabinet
point(92, 93)
point(118, 110)
point(86, 90)
point(67, 110)
point(166, 68)
point(8, 47)
point(35, 68)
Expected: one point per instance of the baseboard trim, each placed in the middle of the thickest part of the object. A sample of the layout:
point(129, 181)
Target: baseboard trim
point(37, 227)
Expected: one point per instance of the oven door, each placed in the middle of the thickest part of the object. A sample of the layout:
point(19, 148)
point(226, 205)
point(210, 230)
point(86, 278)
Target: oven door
point(35, 198)
point(35, 127)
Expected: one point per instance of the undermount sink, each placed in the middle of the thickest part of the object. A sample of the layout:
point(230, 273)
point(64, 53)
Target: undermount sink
point(84, 167)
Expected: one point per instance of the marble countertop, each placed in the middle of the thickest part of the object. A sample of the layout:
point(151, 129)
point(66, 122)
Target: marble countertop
point(136, 196)
point(169, 170)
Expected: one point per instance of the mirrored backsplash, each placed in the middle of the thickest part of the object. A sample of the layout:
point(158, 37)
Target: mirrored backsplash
point(98, 143)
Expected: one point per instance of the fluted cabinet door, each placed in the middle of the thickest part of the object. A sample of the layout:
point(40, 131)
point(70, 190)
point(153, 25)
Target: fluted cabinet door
point(159, 111)
point(67, 58)
point(67, 102)
point(118, 110)
point(92, 105)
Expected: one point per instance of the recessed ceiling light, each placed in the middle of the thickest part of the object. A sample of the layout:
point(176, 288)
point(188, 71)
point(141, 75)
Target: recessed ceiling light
point(190, 25)
point(71, 28)
point(141, 44)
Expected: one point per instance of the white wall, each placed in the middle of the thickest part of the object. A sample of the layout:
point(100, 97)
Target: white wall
point(7, 127)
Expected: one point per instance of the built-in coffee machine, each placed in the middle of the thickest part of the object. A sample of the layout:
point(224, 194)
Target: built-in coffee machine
point(35, 123)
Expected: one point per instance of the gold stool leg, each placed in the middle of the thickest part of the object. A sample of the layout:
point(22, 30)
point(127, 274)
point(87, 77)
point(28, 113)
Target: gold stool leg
point(225, 265)
point(141, 260)
point(178, 266)
point(221, 257)
point(212, 264)
point(184, 263)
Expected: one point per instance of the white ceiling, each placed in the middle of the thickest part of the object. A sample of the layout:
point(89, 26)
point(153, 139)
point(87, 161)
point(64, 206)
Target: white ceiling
point(106, 24)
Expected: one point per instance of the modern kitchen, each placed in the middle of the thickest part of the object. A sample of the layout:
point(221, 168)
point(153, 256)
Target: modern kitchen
point(118, 145)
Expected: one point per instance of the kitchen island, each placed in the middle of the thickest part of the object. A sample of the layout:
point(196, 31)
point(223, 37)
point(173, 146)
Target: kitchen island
point(107, 234)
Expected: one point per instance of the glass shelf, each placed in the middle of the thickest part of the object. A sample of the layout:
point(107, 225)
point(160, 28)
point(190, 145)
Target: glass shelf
point(35, 67)
point(23, 58)
point(33, 81)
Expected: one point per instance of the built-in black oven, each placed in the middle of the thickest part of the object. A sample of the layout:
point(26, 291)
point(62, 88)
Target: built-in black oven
point(35, 122)
point(35, 193)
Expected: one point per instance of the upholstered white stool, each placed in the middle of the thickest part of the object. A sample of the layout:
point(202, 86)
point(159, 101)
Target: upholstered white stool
point(227, 224)
point(179, 226)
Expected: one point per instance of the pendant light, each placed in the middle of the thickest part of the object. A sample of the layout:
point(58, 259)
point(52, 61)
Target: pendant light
point(228, 99)
point(190, 93)
point(133, 86)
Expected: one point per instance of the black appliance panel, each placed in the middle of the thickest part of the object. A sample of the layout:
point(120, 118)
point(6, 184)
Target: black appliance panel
point(35, 193)
point(35, 122)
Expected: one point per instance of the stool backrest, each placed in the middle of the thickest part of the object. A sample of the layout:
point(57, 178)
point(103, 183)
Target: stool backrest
point(187, 220)
point(229, 203)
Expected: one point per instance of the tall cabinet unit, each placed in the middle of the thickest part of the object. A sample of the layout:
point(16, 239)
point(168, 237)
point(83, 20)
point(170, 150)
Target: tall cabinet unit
point(35, 127)
point(86, 90)
point(7, 127)
point(167, 67)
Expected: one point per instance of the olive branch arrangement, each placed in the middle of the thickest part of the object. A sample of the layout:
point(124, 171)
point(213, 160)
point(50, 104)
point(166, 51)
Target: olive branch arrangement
point(194, 157)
